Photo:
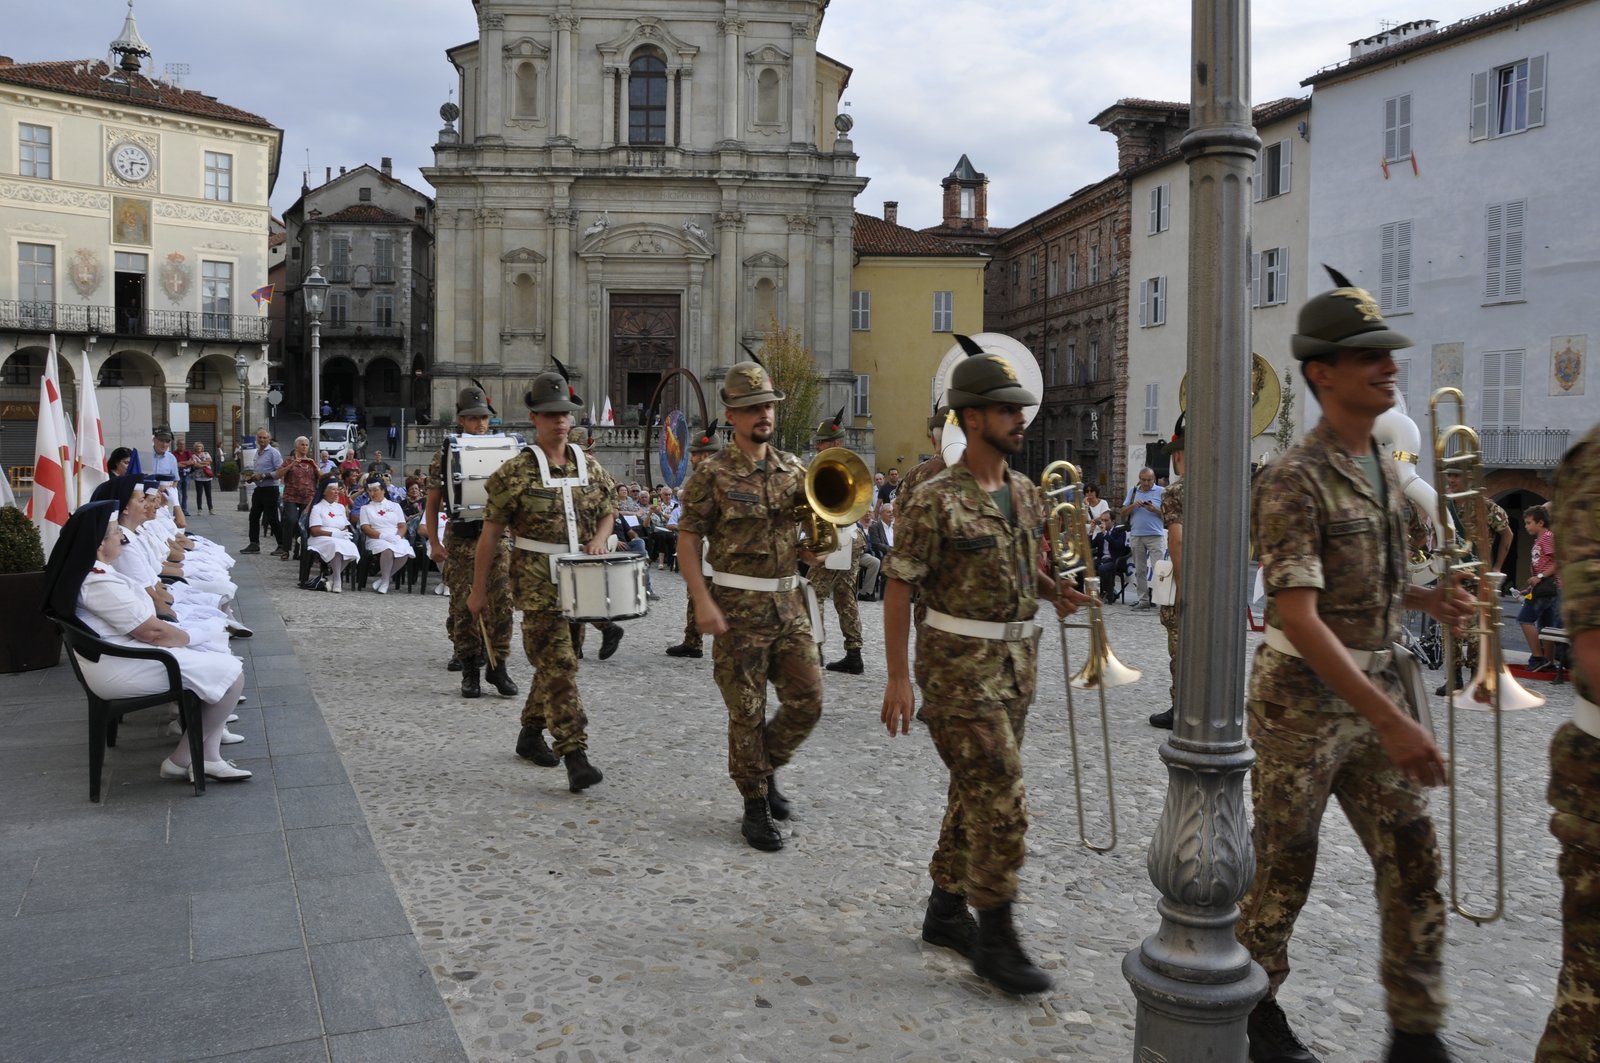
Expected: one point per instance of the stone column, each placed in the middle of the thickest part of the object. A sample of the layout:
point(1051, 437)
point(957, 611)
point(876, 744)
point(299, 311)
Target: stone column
point(489, 223)
point(1194, 983)
point(562, 219)
point(492, 78)
point(803, 92)
point(565, 25)
point(797, 279)
point(730, 28)
point(729, 224)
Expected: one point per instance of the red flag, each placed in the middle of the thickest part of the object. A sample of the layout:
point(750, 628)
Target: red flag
point(1385, 165)
point(1415, 172)
point(48, 506)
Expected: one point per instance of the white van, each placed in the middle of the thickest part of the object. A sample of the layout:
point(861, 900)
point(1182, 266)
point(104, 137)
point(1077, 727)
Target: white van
point(336, 437)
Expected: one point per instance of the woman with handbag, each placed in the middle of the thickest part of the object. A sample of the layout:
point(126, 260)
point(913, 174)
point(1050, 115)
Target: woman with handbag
point(1540, 601)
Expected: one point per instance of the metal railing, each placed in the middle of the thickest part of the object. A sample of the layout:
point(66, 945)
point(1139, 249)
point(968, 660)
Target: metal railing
point(70, 318)
point(1523, 448)
point(353, 326)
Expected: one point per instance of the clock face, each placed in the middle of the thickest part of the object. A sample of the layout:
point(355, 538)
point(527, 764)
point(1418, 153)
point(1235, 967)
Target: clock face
point(131, 162)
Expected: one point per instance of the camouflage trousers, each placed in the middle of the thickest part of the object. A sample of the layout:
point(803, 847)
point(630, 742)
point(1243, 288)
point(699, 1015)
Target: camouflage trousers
point(986, 812)
point(1169, 620)
point(553, 700)
point(460, 554)
point(839, 586)
point(743, 663)
point(1302, 758)
point(1572, 1034)
point(691, 627)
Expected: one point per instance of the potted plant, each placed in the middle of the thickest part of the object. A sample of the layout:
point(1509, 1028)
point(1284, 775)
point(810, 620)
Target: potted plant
point(27, 639)
point(228, 476)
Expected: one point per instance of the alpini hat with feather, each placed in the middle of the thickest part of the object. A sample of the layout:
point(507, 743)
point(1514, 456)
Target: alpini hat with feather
point(984, 379)
point(831, 429)
point(1344, 319)
point(705, 440)
point(749, 384)
point(552, 393)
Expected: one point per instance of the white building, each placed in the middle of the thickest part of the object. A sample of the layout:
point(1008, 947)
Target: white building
point(1453, 180)
point(637, 191)
point(1158, 280)
point(134, 217)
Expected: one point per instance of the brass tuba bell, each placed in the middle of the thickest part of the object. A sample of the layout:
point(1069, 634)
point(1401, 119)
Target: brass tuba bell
point(838, 491)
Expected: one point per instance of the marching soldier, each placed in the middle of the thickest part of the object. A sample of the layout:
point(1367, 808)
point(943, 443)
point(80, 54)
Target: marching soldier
point(835, 577)
point(969, 543)
point(1325, 714)
point(1464, 517)
point(1172, 518)
point(1572, 1034)
point(743, 500)
point(555, 499)
point(455, 556)
point(703, 445)
point(929, 467)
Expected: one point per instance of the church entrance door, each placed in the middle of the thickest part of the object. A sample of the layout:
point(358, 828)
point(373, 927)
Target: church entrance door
point(646, 338)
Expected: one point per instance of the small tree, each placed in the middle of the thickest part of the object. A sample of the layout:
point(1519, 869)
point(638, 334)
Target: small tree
point(794, 372)
point(20, 547)
point(1285, 433)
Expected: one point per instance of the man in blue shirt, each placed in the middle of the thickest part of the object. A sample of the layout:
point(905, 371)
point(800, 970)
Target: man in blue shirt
point(264, 501)
point(1143, 517)
point(164, 464)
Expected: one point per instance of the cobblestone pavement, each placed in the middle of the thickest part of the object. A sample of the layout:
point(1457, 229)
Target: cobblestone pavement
point(633, 922)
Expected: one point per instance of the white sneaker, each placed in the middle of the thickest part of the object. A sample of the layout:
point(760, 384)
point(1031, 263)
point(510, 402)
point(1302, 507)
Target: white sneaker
point(225, 771)
point(229, 738)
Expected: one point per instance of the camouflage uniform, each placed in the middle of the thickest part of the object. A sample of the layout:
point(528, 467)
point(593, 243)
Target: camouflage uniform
point(839, 587)
point(461, 548)
point(1172, 513)
point(1319, 525)
point(518, 498)
point(922, 472)
point(747, 515)
point(954, 547)
point(1465, 512)
point(1572, 1034)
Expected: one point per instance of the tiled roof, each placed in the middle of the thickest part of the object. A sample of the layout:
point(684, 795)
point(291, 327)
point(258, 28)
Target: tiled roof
point(874, 236)
point(95, 79)
point(363, 212)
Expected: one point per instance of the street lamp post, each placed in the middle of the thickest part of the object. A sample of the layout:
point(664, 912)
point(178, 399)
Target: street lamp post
point(241, 368)
point(314, 290)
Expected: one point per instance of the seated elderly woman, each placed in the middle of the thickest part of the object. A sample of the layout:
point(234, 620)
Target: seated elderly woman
point(328, 532)
point(80, 582)
point(383, 522)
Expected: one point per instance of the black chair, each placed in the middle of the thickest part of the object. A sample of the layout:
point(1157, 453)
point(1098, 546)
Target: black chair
point(104, 714)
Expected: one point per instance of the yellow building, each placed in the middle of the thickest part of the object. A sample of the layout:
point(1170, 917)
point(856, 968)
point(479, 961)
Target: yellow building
point(910, 294)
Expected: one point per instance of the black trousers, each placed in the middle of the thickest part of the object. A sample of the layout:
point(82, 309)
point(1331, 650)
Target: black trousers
point(289, 524)
point(202, 494)
point(263, 507)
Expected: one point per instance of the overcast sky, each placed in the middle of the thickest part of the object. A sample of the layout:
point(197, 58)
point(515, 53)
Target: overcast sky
point(1012, 84)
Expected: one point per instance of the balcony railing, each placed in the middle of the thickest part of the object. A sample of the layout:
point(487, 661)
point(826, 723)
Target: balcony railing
point(1523, 448)
point(76, 318)
point(354, 326)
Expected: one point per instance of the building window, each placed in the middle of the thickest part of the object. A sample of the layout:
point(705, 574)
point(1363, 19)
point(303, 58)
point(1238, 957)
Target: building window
point(1502, 278)
point(33, 151)
point(200, 380)
point(1094, 365)
point(1394, 267)
point(219, 177)
point(1016, 277)
point(383, 310)
point(338, 309)
point(1072, 271)
point(1508, 99)
point(1094, 265)
point(1033, 276)
point(944, 311)
point(1272, 171)
point(1160, 208)
point(1074, 370)
point(1269, 276)
point(1053, 274)
point(1153, 302)
point(1402, 379)
point(364, 195)
point(863, 395)
point(36, 283)
point(340, 269)
point(860, 311)
point(647, 100)
point(216, 296)
point(383, 259)
point(1397, 128)
point(1152, 409)
point(969, 203)
point(1502, 390)
point(1050, 365)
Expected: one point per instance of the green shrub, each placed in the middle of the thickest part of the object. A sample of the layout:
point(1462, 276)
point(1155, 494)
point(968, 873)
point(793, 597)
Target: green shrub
point(20, 547)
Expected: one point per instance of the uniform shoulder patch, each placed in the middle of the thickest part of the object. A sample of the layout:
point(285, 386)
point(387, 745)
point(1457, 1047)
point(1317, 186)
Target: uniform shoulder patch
point(1275, 526)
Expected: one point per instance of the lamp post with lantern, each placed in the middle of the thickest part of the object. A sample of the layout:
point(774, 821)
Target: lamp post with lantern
point(241, 368)
point(314, 290)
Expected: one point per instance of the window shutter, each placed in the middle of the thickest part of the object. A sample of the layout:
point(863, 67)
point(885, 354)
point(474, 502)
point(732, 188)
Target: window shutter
point(1255, 182)
point(1511, 250)
point(1491, 390)
point(1283, 166)
point(1283, 275)
point(1255, 279)
point(1536, 65)
point(1155, 209)
point(1144, 303)
point(1402, 378)
point(1402, 265)
point(1158, 300)
point(1511, 389)
point(1166, 207)
point(1492, 281)
point(1386, 271)
point(1152, 407)
point(1403, 130)
point(1391, 128)
point(1480, 106)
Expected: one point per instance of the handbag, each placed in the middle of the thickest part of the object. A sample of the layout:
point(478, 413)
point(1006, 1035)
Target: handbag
point(1545, 588)
point(1163, 588)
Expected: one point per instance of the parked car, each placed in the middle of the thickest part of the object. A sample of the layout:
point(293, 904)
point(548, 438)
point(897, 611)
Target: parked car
point(336, 437)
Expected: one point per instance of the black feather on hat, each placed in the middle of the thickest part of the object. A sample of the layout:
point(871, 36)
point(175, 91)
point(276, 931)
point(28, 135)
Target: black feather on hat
point(969, 345)
point(838, 418)
point(1339, 279)
point(1175, 444)
point(709, 434)
point(752, 354)
point(571, 391)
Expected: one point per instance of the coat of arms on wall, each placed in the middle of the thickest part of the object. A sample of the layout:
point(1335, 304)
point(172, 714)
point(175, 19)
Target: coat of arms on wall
point(175, 277)
point(85, 271)
point(1566, 364)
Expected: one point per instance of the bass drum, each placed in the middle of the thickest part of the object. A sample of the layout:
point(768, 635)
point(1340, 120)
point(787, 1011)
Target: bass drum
point(469, 461)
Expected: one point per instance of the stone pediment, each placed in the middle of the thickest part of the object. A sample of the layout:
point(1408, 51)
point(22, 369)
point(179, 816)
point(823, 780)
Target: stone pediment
point(643, 239)
point(646, 30)
point(522, 256)
point(768, 55)
point(766, 260)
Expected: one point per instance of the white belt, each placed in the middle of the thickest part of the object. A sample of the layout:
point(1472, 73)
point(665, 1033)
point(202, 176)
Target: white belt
point(755, 583)
point(999, 631)
point(1369, 661)
point(536, 547)
point(1586, 714)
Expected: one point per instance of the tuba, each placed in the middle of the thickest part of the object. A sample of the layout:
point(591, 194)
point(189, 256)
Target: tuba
point(838, 492)
point(1062, 483)
point(1492, 687)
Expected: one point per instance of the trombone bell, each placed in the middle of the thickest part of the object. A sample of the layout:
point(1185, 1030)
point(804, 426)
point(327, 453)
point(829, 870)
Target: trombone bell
point(838, 489)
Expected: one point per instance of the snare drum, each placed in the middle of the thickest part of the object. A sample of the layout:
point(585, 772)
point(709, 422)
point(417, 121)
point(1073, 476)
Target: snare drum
point(601, 586)
point(469, 461)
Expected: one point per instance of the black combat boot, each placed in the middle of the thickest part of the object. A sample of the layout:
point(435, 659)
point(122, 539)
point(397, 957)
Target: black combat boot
point(758, 828)
point(1416, 1048)
point(580, 773)
point(532, 746)
point(469, 678)
point(1271, 1040)
point(776, 801)
point(454, 665)
point(949, 923)
point(1162, 720)
point(685, 650)
point(610, 639)
point(997, 954)
point(1452, 682)
point(498, 679)
point(850, 662)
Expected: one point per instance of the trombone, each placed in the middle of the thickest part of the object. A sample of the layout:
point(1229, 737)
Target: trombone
point(1062, 484)
point(1456, 447)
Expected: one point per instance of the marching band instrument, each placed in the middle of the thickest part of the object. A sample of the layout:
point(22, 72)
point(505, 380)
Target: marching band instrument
point(601, 586)
point(1071, 557)
point(953, 442)
point(1400, 440)
point(469, 461)
point(1456, 447)
point(1266, 394)
point(838, 492)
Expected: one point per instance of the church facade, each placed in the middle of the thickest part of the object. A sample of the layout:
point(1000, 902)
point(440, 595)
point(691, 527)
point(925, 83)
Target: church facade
point(639, 193)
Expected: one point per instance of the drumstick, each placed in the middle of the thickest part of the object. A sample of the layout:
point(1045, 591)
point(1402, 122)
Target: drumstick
point(488, 650)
